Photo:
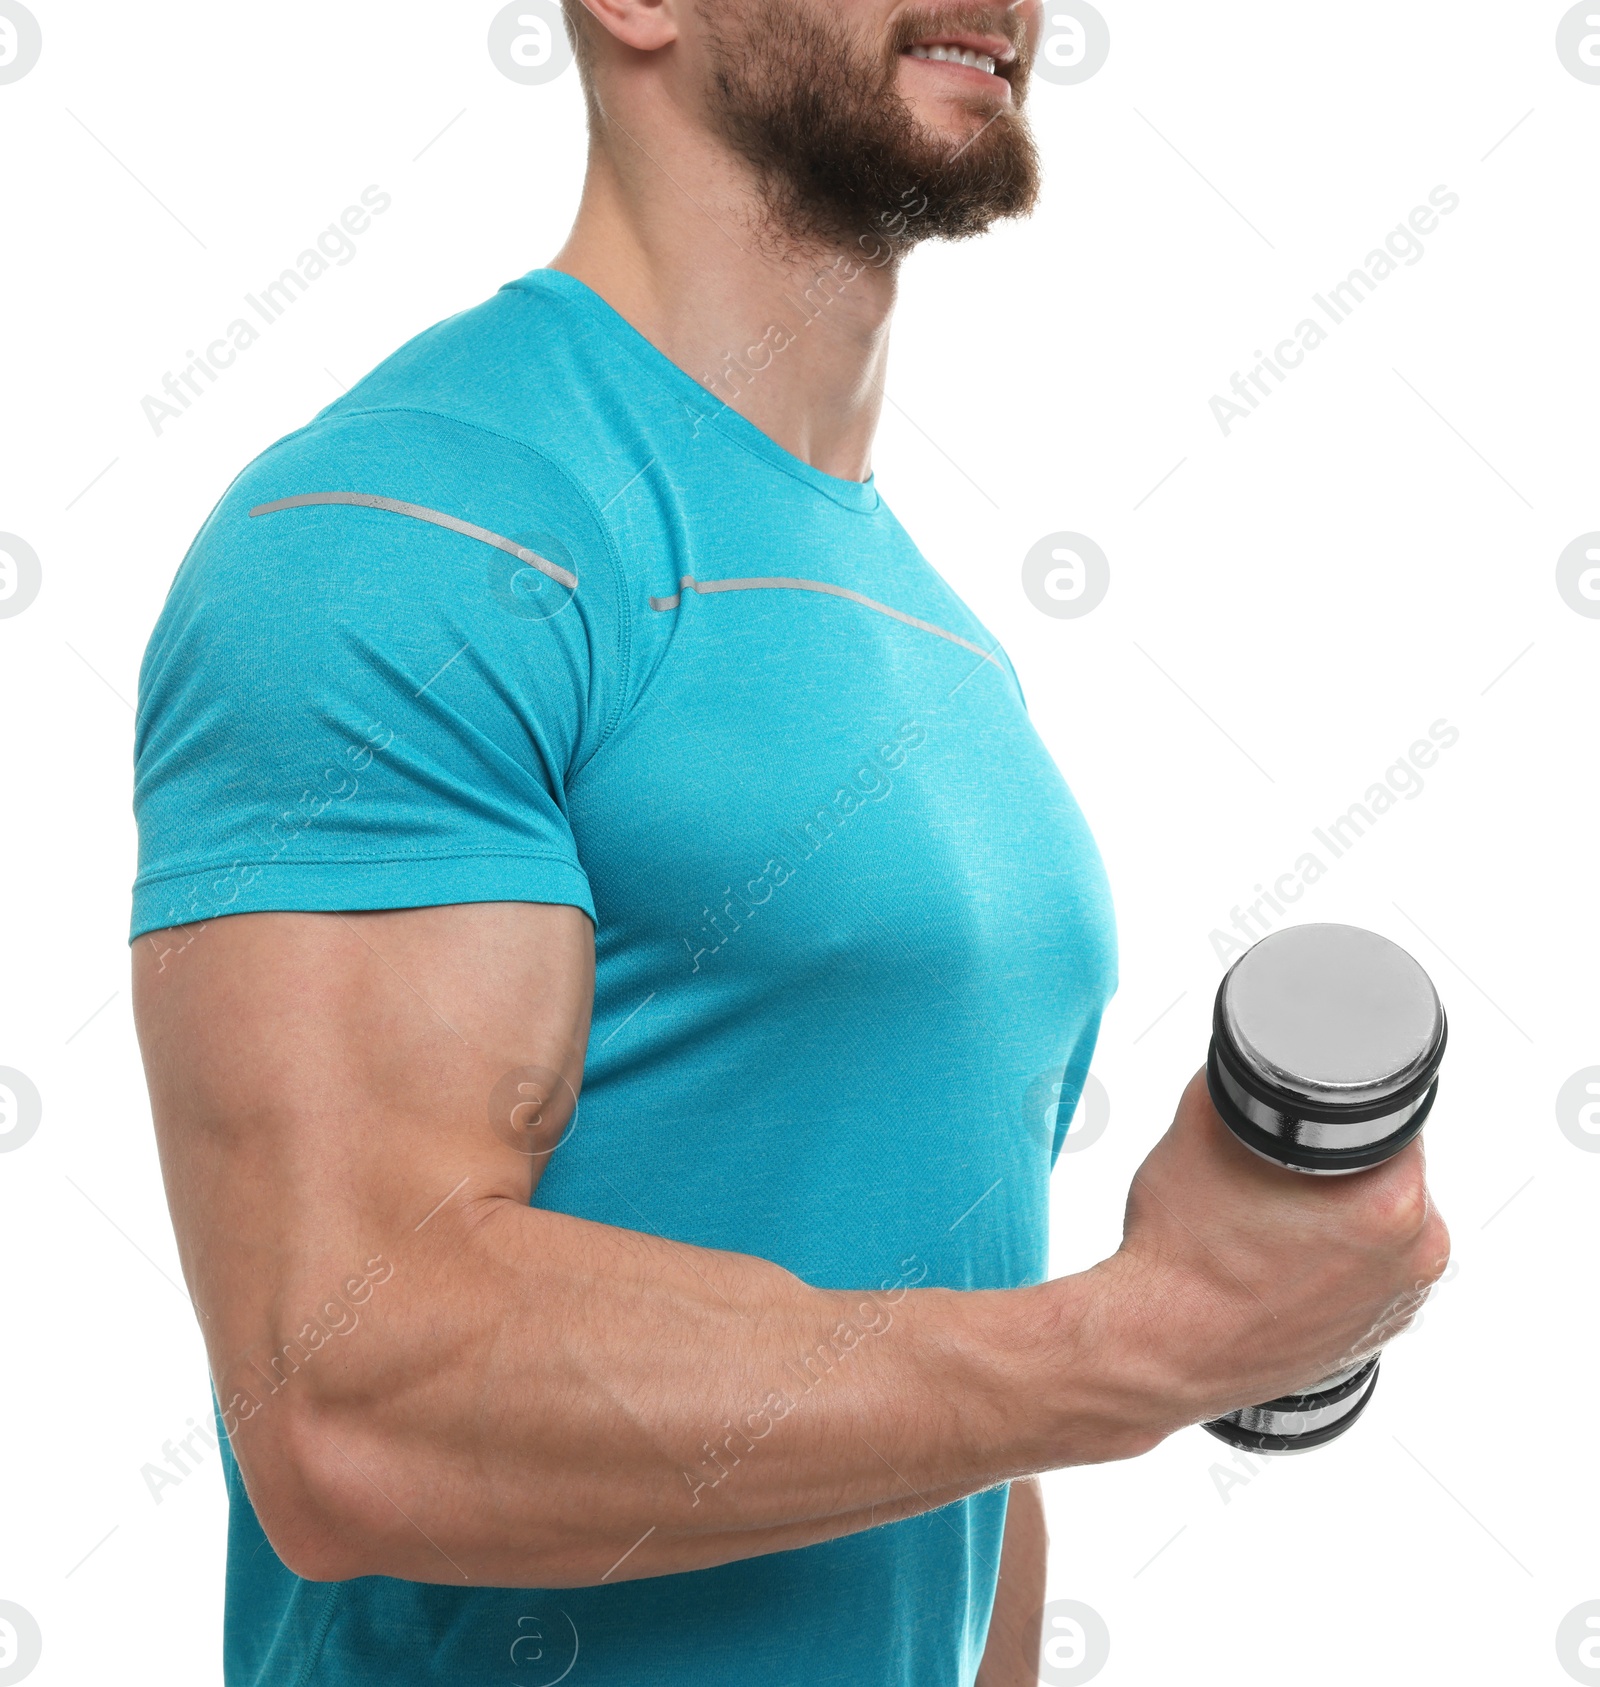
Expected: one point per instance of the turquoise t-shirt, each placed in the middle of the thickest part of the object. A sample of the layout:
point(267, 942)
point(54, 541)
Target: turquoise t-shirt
point(529, 616)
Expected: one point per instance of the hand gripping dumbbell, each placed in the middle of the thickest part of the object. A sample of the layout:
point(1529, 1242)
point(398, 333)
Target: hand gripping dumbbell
point(1325, 1050)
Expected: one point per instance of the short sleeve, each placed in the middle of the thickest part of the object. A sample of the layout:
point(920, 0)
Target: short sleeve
point(387, 654)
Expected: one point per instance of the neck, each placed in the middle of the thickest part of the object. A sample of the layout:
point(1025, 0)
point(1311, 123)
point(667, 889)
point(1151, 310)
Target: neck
point(673, 235)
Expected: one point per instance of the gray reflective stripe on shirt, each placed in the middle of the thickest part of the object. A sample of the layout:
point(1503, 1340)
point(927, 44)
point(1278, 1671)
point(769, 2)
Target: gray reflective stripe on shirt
point(689, 583)
point(370, 501)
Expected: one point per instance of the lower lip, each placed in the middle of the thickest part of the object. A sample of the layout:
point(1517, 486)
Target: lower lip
point(970, 73)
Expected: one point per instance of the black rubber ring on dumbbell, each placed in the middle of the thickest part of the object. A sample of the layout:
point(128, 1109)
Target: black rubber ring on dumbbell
point(1311, 1402)
point(1260, 1441)
point(1327, 1113)
point(1297, 1153)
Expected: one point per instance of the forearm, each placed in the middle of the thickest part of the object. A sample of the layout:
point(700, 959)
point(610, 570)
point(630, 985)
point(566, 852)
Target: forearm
point(1011, 1655)
point(544, 1401)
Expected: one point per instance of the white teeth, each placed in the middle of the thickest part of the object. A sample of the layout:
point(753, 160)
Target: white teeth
point(954, 55)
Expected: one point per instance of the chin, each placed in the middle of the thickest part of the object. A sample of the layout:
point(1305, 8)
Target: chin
point(956, 117)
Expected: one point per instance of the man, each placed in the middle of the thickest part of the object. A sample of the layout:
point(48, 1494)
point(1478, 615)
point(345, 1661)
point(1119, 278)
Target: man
point(564, 706)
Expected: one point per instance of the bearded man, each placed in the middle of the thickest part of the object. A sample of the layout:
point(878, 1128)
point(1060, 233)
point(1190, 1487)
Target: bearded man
point(564, 708)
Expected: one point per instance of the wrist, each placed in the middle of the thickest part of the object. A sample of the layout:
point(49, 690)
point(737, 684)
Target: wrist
point(1099, 1369)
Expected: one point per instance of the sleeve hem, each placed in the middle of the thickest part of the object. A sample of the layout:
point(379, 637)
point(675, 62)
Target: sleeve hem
point(209, 893)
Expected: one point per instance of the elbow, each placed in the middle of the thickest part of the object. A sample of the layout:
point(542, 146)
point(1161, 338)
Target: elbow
point(339, 1495)
point(339, 1498)
point(315, 1553)
point(316, 1486)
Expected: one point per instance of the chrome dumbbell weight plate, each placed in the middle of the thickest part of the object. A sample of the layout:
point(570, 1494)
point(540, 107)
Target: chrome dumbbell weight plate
point(1325, 1051)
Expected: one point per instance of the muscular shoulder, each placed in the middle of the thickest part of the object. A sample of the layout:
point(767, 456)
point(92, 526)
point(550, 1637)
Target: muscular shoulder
point(482, 425)
point(524, 368)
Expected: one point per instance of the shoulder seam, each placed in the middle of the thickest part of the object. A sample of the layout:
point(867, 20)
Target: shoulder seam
point(624, 651)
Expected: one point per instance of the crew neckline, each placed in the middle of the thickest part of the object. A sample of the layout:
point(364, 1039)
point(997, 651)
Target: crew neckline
point(858, 495)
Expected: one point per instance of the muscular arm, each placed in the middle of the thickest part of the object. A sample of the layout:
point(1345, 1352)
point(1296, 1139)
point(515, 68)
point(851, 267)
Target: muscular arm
point(424, 1377)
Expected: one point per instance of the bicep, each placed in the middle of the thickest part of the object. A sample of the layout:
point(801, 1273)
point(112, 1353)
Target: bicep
point(322, 1082)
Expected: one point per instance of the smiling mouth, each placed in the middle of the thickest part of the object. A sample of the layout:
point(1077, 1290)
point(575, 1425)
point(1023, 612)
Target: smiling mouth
point(949, 53)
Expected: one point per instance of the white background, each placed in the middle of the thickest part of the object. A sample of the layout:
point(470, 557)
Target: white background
point(1344, 569)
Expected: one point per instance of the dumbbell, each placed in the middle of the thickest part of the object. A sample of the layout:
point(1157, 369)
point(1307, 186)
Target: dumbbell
point(1325, 1050)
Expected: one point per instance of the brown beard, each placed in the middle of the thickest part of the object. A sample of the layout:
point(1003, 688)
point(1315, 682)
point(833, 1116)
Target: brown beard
point(837, 151)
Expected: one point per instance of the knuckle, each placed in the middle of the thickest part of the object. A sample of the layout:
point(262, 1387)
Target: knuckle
point(1400, 1209)
point(1432, 1250)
